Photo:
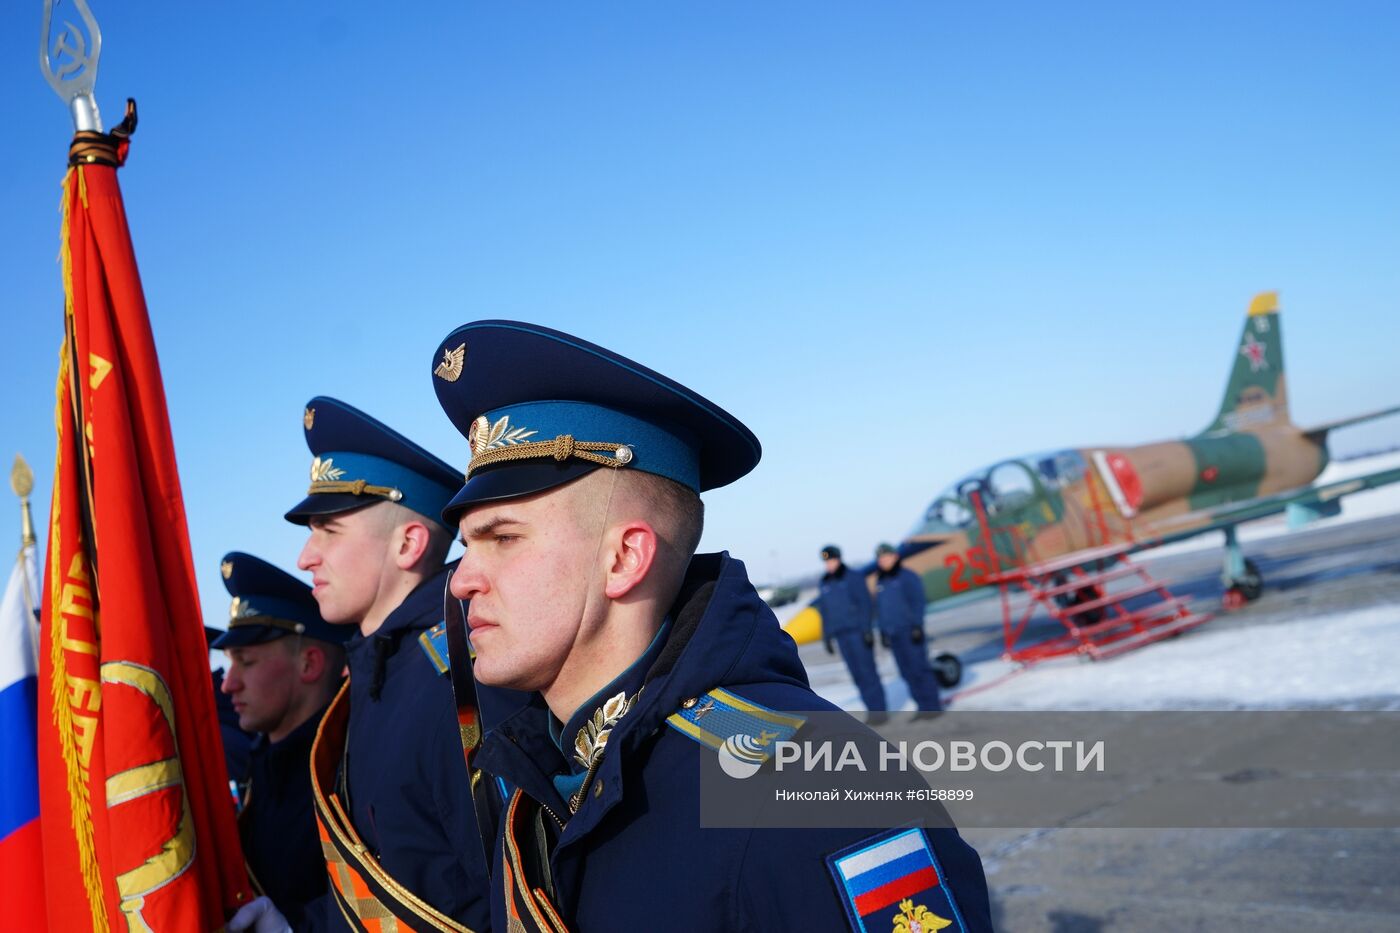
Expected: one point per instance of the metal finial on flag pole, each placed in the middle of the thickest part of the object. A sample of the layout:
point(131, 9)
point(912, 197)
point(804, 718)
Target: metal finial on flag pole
point(68, 60)
point(22, 482)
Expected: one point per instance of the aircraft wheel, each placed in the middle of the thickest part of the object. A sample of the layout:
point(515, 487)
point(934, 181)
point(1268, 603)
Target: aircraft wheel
point(1233, 599)
point(947, 670)
point(1251, 585)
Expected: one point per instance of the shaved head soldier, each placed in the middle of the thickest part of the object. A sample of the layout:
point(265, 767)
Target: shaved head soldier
point(581, 515)
point(389, 780)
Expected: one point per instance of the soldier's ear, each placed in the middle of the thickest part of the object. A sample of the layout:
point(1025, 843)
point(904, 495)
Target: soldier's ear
point(631, 557)
point(413, 541)
point(312, 664)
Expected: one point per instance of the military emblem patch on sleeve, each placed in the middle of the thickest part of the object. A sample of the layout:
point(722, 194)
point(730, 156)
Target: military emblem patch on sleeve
point(720, 716)
point(434, 645)
point(893, 882)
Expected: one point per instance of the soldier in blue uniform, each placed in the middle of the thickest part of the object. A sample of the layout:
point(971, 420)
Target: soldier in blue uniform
point(899, 610)
point(236, 741)
point(581, 516)
point(285, 664)
point(389, 778)
point(847, 619)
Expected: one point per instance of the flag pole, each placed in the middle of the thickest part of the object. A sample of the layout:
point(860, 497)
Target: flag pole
point(130, 747)
point(69, 63)
point(22, 482)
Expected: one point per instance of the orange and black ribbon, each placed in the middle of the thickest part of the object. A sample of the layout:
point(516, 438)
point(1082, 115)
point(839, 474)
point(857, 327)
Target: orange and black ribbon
point(369, 898)
point(529, 907)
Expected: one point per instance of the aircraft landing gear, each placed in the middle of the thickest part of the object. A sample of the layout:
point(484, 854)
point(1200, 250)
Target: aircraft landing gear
point(948, 670)
point(1243, 581)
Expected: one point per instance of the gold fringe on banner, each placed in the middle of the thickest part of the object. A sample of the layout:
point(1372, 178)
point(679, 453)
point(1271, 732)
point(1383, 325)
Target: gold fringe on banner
point(63, 712)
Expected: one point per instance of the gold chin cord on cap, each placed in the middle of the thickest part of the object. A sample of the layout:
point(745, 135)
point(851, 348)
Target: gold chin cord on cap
point(356, 488)
point(562, 448)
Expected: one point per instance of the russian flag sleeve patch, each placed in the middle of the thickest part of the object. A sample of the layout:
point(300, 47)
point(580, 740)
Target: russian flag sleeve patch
point(893, 882)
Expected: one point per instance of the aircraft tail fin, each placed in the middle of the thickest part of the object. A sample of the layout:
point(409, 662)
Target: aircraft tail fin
point(1257, 392)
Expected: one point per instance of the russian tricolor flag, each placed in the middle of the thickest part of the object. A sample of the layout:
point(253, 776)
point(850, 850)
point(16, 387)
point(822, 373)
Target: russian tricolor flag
point(21, 853)
point(879, 876)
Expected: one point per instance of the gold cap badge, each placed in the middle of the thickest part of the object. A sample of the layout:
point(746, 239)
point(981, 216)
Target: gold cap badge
point(486, 435)
point(308, 418)
point(226, 568)
point(479, 434)
point(450, 369)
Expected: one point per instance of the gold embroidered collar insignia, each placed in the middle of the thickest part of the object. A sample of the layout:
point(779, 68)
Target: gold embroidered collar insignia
point(592, 739)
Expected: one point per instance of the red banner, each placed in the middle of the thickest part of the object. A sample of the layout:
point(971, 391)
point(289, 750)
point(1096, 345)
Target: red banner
point(138, 824)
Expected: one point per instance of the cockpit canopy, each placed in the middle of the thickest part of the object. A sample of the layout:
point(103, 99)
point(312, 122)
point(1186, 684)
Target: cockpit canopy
point(1005, 487)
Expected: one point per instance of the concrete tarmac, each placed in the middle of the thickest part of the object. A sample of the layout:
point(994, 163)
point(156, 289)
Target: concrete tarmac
point(1070, 879)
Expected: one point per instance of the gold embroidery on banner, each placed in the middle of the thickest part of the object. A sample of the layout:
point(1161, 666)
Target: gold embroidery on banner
point(324, 471)
point(101, 369)
point(450, 369)
point(176, 853)
point(142, 780)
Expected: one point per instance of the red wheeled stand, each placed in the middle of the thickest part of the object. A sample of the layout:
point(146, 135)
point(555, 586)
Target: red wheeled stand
point(1074, 591)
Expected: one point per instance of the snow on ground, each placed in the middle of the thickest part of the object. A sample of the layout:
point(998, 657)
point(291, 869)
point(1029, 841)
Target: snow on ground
point(1332, 660)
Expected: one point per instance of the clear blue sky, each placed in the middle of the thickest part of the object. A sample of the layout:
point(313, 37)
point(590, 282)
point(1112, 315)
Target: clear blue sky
point(897, 239)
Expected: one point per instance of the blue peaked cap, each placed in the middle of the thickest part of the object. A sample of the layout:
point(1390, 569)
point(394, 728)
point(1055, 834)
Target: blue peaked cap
point(358, 460)
point(268, 604)
point(540, 408)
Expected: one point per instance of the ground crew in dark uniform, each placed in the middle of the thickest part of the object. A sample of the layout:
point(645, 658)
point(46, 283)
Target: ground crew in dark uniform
point(581, 515)
point(285, 664)
point(899, 612)
point(847, 620)
point(389, 778)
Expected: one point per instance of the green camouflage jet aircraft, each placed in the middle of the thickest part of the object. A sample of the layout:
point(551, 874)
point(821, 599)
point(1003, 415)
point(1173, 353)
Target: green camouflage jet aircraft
point(1250, 462)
